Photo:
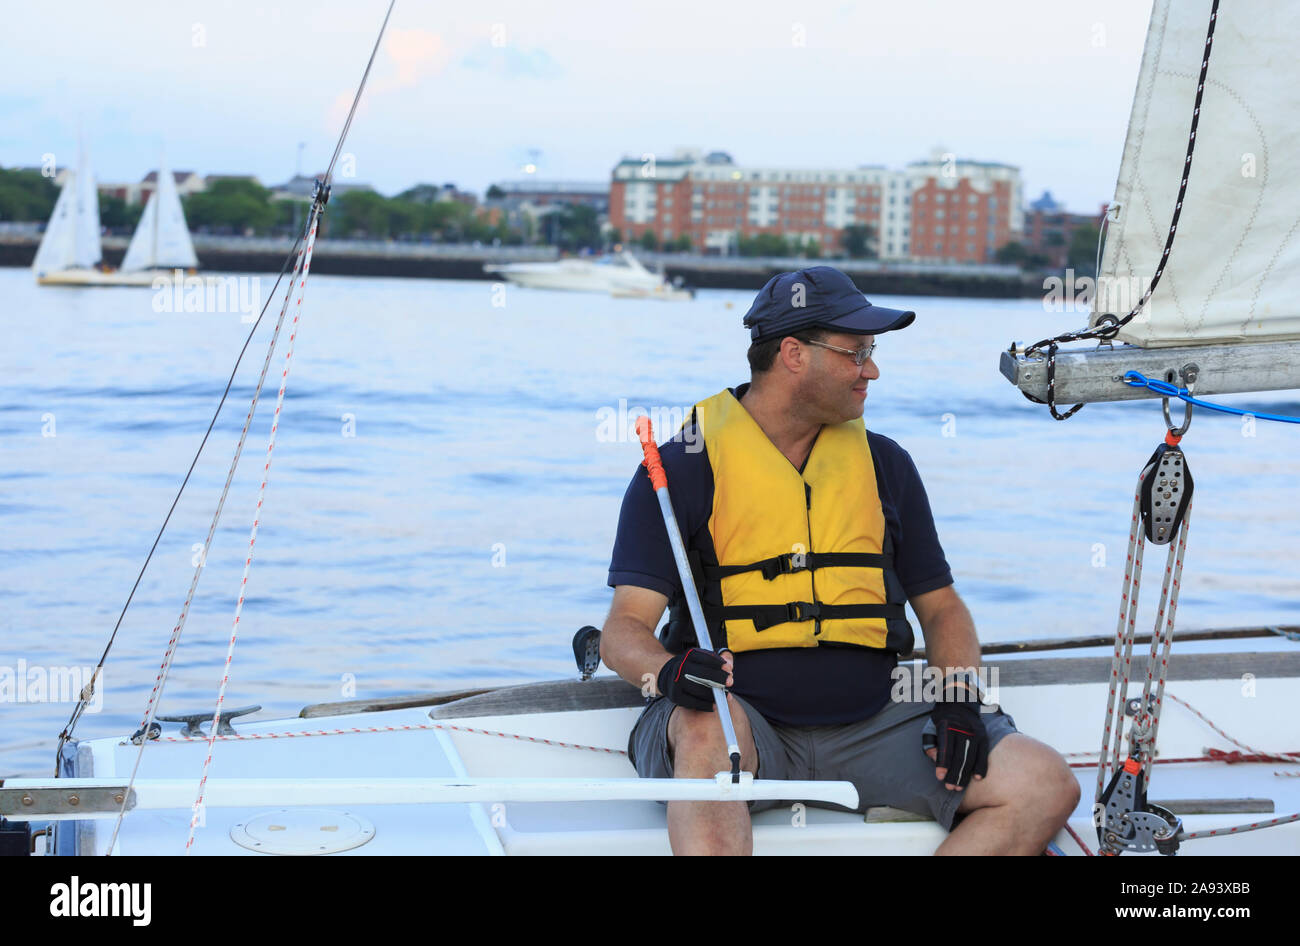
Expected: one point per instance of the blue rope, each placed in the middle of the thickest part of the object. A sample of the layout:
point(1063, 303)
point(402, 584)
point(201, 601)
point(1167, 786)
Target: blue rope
point(1135, 379)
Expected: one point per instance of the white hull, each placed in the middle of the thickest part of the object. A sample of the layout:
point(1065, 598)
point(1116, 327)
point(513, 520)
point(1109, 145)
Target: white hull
point(94, 277)
point(617, 274)
point(664, 293)
point(406, 755)
point(148, 278)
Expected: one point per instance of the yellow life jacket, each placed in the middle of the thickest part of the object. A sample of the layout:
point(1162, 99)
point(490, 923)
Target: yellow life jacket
point(803, 558)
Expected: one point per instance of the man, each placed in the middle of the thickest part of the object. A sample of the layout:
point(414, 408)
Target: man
point(807, 534)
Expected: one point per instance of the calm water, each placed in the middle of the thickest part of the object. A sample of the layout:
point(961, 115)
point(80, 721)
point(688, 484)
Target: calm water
point(444, 496)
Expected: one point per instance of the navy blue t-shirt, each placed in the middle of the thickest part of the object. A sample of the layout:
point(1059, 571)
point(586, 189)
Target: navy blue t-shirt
point(803, 686)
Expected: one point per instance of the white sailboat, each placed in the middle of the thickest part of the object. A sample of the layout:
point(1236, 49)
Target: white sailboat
point(540, 768)
point(69, 253)
point(161, 243)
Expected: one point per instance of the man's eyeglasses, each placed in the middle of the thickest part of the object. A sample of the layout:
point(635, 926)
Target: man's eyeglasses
point(859, 355)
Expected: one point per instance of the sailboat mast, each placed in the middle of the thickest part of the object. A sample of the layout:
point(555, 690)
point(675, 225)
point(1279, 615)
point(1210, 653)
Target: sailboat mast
point(153, 254)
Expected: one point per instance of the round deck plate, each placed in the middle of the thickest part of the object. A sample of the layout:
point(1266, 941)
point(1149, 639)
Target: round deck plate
point(303, 831)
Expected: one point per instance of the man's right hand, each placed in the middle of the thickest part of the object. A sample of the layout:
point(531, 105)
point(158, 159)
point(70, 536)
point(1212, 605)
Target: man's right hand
point(674, 678)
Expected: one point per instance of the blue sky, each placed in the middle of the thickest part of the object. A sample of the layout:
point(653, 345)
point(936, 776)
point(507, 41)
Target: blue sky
point(470, 93)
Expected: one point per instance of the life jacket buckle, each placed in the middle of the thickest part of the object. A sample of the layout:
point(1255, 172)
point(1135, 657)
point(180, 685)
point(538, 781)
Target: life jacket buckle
point(786, 564)
point(803, 610)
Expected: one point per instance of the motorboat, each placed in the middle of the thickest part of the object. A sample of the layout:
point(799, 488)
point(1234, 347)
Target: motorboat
point(612, 273)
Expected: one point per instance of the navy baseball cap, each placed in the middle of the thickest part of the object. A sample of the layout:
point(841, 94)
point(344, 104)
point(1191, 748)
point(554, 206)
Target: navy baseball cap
point(820, 296)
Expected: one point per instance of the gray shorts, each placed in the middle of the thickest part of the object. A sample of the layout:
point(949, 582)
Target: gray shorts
point(882, 755)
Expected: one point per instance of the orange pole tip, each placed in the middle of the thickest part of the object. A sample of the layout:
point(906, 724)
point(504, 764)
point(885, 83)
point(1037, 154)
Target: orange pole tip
point(644, 430)
point(653, 464)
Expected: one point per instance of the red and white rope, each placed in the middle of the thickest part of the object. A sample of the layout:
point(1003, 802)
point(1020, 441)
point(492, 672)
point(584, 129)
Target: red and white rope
point(1121, 660)
point(1147, 720)
point(261, 494)
point(1238, 829)
point(1074, 834)
point(446, 727)
point(172, 644)
point(151, 708)
point(1142, 733)
point(1277, 756)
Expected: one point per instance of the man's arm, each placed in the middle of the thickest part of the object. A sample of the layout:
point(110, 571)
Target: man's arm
point(950, 645)
point(628, 645)
point(948, 629)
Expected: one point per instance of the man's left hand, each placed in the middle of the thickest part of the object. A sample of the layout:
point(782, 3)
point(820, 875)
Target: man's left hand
point(958, 744)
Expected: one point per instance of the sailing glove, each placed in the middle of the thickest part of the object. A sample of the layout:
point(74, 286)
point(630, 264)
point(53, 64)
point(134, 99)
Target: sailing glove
point(690, 678)
point(957, 732)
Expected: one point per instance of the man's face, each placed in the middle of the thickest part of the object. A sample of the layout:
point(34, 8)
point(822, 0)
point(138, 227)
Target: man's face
point(834, 387)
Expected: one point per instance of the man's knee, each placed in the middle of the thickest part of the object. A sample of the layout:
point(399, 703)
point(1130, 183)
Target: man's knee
point(1026, 774)
point(696, 744)
point(1046, 783)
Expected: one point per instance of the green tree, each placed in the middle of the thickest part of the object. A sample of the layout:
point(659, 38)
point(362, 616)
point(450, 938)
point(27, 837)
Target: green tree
point(1018, 254)
point(1082, 252)
point(649, 241)
point(291, 216)
point(812, 249)
point(116, 214)
point(494, 193)
point(860, 242)
point(421, 194)
point(578, 226)
point(683, 244)
point(26, 196)
point(1013, 252)
point(231, 204)
point(360, 214)
point(764, 244)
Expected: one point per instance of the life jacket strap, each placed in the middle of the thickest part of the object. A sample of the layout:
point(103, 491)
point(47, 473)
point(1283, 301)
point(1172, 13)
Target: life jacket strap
point(770, 615)
point(792, 562)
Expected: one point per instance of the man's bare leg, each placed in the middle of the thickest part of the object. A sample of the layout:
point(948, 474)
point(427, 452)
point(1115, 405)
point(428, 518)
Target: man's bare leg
point(698, 750)
point(1027, 796)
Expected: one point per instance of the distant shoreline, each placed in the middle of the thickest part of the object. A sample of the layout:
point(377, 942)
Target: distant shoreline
point(456, 261)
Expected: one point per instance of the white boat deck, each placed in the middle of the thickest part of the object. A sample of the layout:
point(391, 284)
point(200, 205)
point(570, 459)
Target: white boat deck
point(1066, 716)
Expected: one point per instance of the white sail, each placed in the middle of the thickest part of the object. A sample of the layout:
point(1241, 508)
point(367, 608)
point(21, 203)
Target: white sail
point(58, 249)
point(87, 218)
point(1234, 273)
point(161, 239)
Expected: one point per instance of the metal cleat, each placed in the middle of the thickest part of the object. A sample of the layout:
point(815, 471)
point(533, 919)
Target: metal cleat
point(193, 720)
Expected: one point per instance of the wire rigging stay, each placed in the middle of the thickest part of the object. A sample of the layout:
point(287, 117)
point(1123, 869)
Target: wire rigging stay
point(149, 729)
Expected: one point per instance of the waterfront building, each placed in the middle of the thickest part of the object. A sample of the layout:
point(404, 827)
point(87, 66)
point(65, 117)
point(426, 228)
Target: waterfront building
point(943, 209)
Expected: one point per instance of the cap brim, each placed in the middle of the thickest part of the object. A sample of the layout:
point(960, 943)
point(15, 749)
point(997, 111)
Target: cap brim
point(872, 320)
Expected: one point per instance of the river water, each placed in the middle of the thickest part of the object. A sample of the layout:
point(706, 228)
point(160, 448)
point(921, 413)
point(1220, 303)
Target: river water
point(447, 479)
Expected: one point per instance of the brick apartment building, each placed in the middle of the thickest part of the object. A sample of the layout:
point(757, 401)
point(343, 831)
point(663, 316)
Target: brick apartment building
point(1049, 229)
point(942, 209)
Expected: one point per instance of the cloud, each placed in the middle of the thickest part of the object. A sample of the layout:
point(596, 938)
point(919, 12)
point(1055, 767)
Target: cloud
point(416, 53)
point(406, 57)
